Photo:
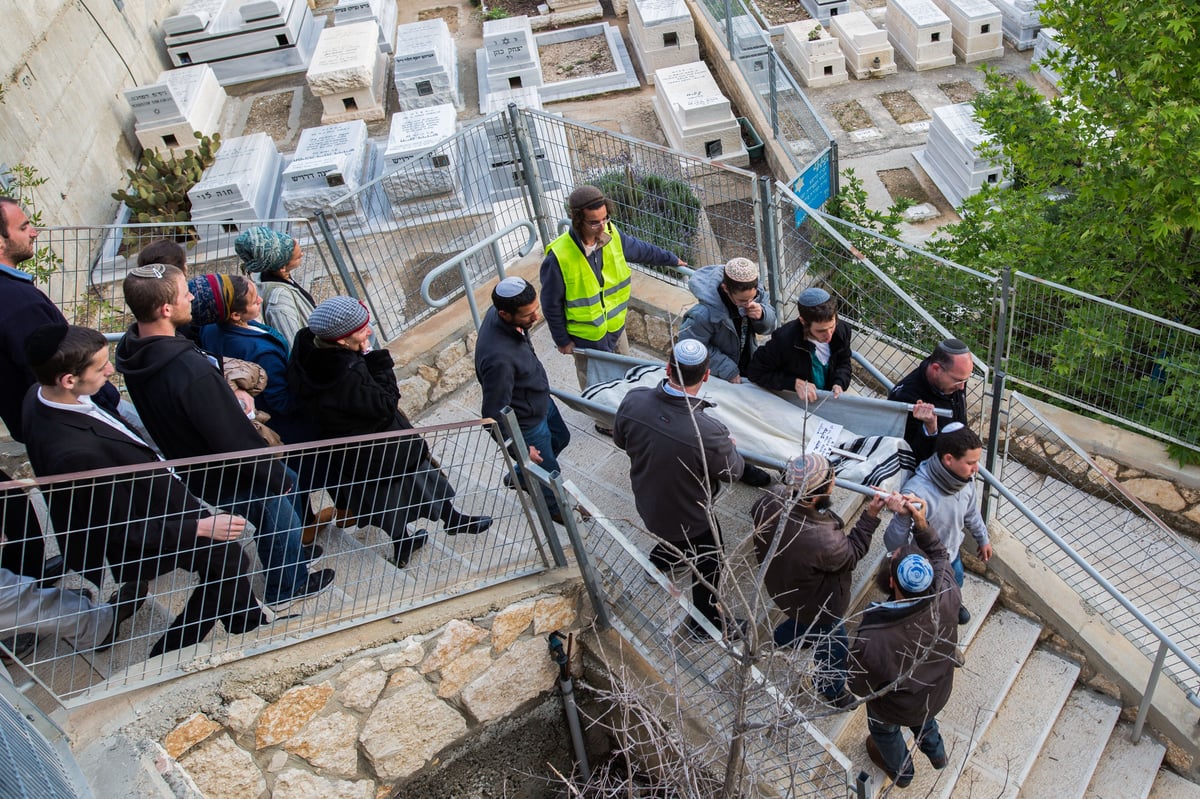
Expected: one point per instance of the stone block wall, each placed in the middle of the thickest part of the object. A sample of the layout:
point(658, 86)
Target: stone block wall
point(361, 727)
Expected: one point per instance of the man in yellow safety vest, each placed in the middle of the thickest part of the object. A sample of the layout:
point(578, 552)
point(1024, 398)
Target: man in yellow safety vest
point(586, 279)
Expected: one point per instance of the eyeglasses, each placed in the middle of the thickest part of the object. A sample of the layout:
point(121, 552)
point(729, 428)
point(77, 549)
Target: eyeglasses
point(596, 222)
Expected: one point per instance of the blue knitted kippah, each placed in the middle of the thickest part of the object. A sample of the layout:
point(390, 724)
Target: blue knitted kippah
point(812, 296)
point(914, 573)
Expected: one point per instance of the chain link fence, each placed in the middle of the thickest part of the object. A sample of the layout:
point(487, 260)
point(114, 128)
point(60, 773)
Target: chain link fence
point(119, 527)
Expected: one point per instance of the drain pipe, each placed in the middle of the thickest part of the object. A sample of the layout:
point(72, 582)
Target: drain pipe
point(567, 686)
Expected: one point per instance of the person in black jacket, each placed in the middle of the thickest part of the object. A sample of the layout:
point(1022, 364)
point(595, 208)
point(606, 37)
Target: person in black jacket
point(145, 524)
point(939, 382)
point(349, 389)
point(190, 411)
point(511, 375)
point(809, 353)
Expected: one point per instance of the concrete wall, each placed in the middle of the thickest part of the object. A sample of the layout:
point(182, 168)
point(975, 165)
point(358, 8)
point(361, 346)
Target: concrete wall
point(62, 71)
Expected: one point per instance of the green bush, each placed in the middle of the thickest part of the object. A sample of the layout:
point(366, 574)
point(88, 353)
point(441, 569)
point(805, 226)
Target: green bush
point(659, 210)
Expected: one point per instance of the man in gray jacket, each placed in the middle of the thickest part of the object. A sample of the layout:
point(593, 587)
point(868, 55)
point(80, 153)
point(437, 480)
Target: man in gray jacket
point(809, 561)
point(946, 482)
point(678, 457)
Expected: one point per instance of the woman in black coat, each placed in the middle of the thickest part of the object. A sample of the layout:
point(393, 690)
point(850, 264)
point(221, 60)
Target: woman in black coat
point(348, 389)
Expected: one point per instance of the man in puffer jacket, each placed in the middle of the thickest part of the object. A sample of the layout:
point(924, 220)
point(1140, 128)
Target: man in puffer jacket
point(731, 312)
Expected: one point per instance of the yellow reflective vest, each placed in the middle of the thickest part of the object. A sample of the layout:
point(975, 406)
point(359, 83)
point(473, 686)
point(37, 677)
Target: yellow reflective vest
point(592, 312)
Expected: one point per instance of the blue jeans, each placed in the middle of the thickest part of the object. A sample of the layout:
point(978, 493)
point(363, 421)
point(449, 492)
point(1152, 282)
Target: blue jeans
point(891, 745)
point(830, 654)
point(956, 564)
point(551, 437)
point(277, 529)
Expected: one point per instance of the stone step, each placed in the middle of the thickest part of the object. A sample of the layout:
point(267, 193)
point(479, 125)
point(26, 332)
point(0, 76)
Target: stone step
point(993, 662)
point(978, 596)
point(1169, 785)
point(1065, 765)
point(1127, 770)
point(1008, 751)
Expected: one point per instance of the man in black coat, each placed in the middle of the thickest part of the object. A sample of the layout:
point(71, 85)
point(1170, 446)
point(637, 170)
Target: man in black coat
point(190, 411)
point(145, 522)
point(940, 382)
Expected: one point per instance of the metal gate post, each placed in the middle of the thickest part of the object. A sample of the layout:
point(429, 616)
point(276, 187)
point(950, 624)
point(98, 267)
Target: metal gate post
point(998, 375)
point(533, 178)
point(770, 243)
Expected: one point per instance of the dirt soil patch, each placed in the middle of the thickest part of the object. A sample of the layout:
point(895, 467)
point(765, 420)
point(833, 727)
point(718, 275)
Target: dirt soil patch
point(269, 114)
point(516, 8)
point(851, 116)
point(903, 107)
point(960, 91)
point(448, 13)
point(903, 183)
point(577, 58)
point(733, 225)
point(781, 12)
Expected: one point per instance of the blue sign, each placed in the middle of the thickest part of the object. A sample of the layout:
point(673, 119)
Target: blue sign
point(812, 185)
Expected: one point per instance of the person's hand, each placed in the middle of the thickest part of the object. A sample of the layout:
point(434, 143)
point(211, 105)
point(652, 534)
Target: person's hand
point(567, 349)
point(836, 391)
point(680, 261)
point(222, 527)
point(245, 400)
point(534, 454)
point(985, 552)
point(735, 379)
point(877, 503)
point(915, 507)
point(923, 411)
point(806, 390)
point(754, 310)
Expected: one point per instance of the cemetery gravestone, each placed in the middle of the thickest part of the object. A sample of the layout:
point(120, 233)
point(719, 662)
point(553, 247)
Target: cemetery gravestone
point(180, 102)
point(415, 180)
point(920, 33)
point(348, 73)
point(866, 48)
point(696, 117)
point(977, 29)
point(663, 35)
point(819, 60)
point(426, 65)
point(951, 156)
point(241, 186)
point(382, 12)
point(330, 162)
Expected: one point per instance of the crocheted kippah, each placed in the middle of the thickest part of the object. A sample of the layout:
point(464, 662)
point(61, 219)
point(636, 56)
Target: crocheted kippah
point(510, 287)
point(807, 473)
point(812, 296)
point(690, 352)
point(914, 573)
point(743, 270)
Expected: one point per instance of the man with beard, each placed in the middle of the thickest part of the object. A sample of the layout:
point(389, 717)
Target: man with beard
point(939, 382)
point(809, 562)
point(947, 484)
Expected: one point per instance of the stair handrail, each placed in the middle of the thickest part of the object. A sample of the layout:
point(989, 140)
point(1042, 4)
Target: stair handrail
point(460, 262)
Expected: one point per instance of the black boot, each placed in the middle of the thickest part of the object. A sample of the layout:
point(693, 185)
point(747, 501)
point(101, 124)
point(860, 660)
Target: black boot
point(406, 547)
point(459, 523)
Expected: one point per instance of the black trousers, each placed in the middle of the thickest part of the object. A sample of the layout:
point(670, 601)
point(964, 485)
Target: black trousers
point(702, 552)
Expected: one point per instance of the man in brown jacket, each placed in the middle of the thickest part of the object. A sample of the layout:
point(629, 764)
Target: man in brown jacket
point(809, 561)
point(905, 651)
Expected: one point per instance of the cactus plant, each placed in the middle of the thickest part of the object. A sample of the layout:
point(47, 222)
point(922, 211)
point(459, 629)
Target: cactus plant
point(158, 188)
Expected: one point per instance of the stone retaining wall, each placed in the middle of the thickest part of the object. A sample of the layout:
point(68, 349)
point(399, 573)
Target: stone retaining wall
point(358, 729)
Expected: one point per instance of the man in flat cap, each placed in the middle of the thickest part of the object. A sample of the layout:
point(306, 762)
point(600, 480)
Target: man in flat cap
point(586, 279)
point(678, 458)
point(907, 649)
point(809, 561)
point(939, 382)
point(510, 374)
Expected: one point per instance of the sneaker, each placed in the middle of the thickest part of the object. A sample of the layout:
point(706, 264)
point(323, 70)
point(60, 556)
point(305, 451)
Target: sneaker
point(318, 582)
point(312, 553)
point(405, 548)
point(470, 525)
point(756, 477)
point(900, 780)
point(964, 615)
point(126, 601)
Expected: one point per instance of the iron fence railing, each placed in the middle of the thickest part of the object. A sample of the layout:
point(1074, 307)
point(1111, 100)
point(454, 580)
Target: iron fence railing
point(188, 621)
point(89, 263)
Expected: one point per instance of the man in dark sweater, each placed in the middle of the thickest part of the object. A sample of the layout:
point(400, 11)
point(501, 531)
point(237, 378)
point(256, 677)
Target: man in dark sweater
point(190, 411)
point(511, 375)
point(939, 382)
point(678, 458)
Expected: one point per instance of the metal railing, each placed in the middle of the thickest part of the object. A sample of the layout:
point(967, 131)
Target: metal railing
point(97, 519)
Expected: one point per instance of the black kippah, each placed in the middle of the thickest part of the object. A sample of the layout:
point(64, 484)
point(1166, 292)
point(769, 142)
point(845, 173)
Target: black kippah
point(44, 342)
point(953, 346)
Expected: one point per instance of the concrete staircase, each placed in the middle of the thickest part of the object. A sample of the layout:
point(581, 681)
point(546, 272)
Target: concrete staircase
point(1019, 725)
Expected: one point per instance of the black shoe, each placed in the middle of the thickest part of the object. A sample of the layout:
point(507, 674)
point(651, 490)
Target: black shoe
point(964, 615)
point(604, 431)
point(317, 583)
point(53, 569)
point(842, 701)
point(469, 525)
point(313, 553)
point(405, 548)
point(756, 477)
point(900, 780)
point(509, 481)
point(734, 632)
point(557, 517)
point(126, 601)
point(22, 645)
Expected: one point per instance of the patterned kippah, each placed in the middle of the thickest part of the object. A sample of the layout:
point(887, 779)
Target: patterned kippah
point(807, 473)
point(690, 352)
point(914, 573)
point(743, 270)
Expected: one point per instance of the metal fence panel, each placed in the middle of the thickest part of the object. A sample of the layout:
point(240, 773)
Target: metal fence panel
point(1139, 369)
point(367, 586)
point(1139, 555)
point(88, 264)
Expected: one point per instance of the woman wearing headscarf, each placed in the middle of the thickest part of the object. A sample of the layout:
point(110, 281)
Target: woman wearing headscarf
point(349, 389)
point(275, 257)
